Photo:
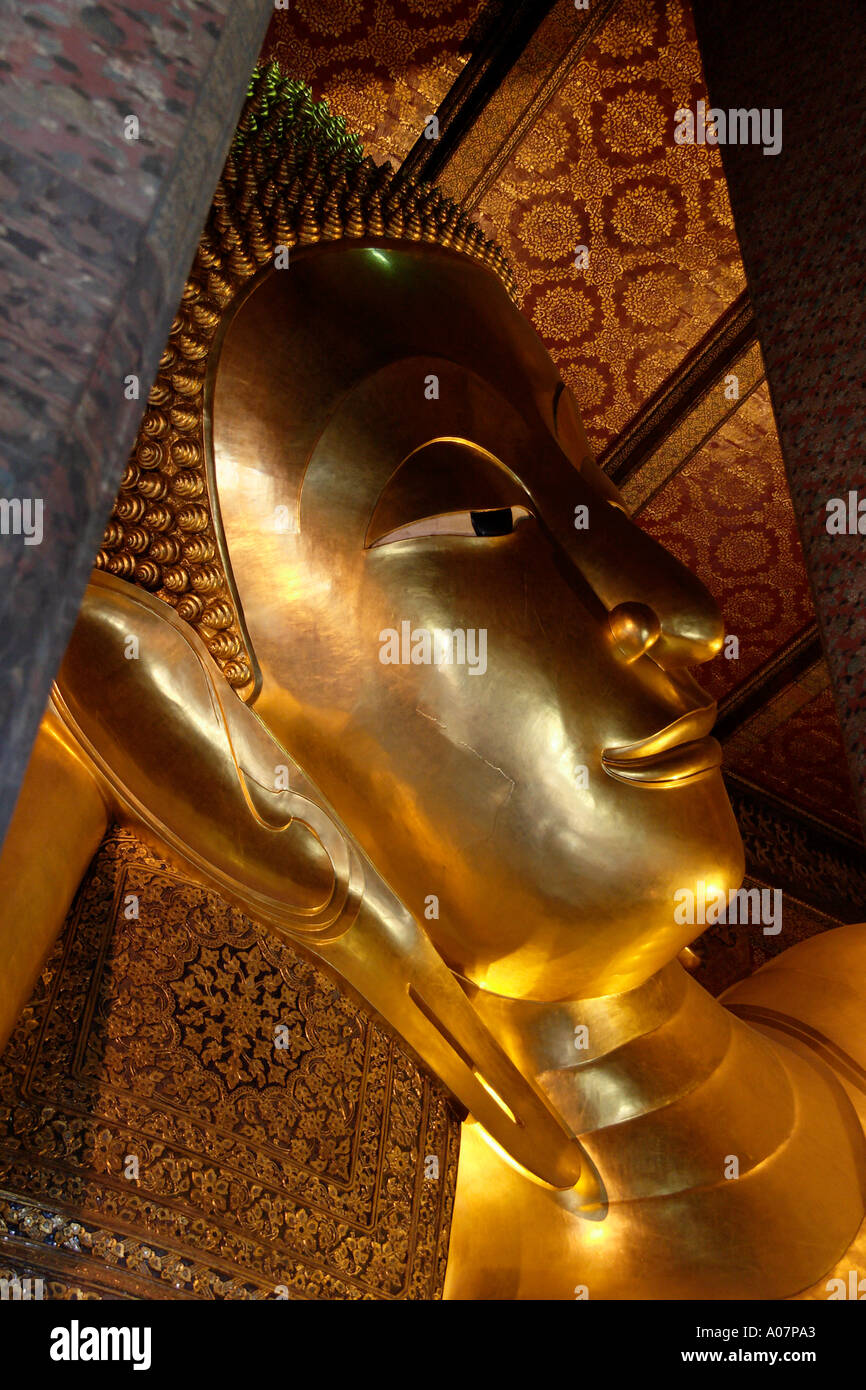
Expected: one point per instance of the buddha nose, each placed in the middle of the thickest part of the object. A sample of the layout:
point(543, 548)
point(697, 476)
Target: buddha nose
point(635, 629)
point(655, 605)
point(675, 621)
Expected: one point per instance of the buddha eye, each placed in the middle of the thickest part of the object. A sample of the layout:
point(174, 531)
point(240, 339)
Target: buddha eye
point(496, 521)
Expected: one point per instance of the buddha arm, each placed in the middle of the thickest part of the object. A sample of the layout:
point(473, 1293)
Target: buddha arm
point(201, 778)
point(59, 821)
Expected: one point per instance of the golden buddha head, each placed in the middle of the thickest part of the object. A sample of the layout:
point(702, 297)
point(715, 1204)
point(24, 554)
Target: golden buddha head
point(429, 591)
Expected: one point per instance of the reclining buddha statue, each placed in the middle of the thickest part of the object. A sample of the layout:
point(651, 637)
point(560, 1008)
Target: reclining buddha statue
point(374, 655)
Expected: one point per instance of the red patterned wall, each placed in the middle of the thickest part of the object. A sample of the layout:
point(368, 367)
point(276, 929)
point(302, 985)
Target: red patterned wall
point(601, 168)
point(804, 756)
point(728, 516)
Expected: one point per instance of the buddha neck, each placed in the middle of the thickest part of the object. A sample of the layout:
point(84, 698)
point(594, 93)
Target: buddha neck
point(715, 1148)
point(612, 1058)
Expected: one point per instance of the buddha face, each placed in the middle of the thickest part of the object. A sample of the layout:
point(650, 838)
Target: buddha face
point(463, 639)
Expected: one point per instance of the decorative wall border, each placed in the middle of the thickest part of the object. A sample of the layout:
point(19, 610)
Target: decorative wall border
point(688, 408)
point(794, 675)
point(799, 853)
point(501, 92)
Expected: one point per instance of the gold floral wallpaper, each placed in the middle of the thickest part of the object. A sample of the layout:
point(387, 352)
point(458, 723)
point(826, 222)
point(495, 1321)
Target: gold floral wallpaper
point(728, 516)
point(601, 169)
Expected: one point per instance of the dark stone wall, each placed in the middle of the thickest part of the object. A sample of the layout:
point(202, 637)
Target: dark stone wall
point(97, 237)
point(800, 219)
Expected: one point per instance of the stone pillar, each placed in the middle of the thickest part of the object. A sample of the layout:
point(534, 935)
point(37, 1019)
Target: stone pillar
point(115, 124)
point(799, 218)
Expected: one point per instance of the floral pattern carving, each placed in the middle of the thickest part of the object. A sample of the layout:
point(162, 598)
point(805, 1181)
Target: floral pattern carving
point(279, 1132)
